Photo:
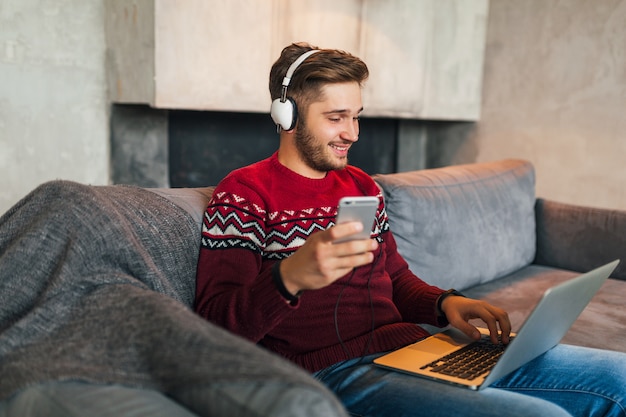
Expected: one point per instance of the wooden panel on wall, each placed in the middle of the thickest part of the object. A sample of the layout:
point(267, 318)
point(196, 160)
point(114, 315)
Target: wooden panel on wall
point(396, 43)
point(213, 55)
point(425, 56)
point(455, 70)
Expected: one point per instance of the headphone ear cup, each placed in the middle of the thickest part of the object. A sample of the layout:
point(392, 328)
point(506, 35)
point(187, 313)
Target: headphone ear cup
point(284, 114)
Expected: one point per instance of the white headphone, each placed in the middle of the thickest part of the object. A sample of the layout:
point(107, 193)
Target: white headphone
point(284, 111)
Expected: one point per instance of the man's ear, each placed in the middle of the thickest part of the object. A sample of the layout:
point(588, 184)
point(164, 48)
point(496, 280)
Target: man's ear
point(292, 130)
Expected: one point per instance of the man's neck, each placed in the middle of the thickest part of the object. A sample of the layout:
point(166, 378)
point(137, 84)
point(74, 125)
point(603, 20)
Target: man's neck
point(290, 159)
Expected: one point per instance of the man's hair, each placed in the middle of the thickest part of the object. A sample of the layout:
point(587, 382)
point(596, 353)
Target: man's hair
point(325, 67)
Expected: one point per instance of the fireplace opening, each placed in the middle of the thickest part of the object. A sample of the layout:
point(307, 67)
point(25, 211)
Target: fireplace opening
point(183, 148)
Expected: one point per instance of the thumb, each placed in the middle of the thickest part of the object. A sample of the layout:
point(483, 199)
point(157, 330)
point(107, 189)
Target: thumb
point(469, 330)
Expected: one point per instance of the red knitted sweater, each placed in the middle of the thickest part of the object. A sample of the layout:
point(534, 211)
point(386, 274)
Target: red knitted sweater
point(263, 213)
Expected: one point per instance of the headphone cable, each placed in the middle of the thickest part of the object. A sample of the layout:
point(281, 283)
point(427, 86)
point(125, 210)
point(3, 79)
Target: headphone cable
point(371, 302)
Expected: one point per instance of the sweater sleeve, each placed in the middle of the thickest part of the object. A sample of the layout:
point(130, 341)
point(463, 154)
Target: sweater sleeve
point(415, 299)
point(234, 288)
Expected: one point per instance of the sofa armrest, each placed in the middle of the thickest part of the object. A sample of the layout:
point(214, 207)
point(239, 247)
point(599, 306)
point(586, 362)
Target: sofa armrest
point(579, 238)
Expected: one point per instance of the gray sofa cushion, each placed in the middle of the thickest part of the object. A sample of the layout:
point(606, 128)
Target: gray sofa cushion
point(463, 225)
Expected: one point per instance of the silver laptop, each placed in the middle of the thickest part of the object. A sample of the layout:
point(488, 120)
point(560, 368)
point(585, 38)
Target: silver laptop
point(546, 325)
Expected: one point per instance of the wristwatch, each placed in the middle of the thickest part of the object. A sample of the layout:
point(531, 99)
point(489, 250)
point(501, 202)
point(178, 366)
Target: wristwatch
point(445, 295)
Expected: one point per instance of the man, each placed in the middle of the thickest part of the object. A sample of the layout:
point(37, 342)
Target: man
point(270, 268)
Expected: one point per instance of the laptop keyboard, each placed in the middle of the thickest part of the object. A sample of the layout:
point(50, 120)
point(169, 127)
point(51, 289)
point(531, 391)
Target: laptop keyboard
point(469, 362)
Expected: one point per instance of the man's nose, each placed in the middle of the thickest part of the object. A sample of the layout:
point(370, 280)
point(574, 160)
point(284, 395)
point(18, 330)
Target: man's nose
point(351, 132)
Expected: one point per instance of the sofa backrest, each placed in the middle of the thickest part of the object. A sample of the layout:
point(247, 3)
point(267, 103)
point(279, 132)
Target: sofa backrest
point(192, 200)
point(463, 225)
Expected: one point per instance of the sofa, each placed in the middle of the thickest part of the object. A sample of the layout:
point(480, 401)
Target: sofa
point(110, 300)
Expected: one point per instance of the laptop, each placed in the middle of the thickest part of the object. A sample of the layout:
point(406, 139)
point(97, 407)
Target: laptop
point(543, 329)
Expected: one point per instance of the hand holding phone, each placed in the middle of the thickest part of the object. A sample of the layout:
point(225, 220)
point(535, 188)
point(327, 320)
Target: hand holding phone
point(357, 209)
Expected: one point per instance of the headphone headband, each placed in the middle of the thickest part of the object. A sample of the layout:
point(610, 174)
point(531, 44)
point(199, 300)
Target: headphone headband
point(296, 64)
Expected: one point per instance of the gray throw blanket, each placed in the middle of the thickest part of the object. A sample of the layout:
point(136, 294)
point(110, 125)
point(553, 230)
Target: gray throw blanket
point(96, 284)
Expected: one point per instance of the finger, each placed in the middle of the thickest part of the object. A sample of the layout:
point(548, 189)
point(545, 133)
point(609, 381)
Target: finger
point(355, 260)
point(333, 261)
point(354, 247)
point(456, 320)
point(505, 325)
point(498, 323)
point(343, 230)
point(470, 330)
point(492, 325)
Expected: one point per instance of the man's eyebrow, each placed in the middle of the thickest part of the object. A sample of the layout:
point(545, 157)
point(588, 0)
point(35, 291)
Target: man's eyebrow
point(341, 111)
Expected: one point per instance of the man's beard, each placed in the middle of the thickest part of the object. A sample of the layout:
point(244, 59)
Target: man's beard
point(314, 154)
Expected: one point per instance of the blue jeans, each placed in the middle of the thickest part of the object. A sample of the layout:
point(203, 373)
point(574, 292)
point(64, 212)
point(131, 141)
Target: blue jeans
point(565, 381)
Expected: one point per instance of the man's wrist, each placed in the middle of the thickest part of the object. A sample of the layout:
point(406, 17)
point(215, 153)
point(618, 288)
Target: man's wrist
point(280, 285)
point(445, 295)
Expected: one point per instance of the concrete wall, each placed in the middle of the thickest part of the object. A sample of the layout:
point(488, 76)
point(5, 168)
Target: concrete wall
point(554, 92)
point(53, 109)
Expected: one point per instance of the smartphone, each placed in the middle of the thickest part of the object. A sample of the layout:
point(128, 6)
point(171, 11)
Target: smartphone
point(357, 209)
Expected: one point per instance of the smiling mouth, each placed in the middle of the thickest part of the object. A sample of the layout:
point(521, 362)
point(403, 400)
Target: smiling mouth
point(340, 148)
